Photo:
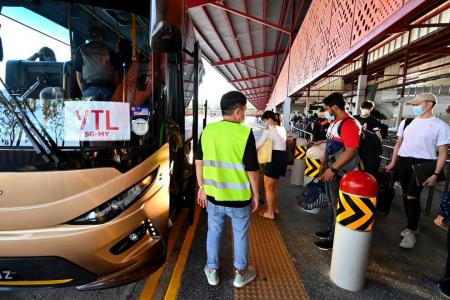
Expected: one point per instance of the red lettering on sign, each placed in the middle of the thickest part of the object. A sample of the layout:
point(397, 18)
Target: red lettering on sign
point(83, 121)
point(108, 122)
point(97, 113)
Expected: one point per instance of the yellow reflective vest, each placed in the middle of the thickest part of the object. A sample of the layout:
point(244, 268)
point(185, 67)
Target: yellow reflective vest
point(224, 175)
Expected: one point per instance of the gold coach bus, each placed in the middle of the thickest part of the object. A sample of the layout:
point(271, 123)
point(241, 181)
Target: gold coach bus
point(87, 184)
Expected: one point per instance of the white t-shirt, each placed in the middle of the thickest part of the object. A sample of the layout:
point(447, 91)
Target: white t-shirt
point(278, 138)
point(422, 137)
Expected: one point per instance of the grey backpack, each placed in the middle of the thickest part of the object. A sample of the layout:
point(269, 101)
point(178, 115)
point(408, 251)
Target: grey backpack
point(97, 66)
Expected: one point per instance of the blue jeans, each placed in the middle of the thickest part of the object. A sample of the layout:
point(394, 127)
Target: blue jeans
point(98, 93)
point(240, 220)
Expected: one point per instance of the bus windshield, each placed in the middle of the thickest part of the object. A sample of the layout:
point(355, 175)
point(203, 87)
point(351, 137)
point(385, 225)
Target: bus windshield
point(79, 90)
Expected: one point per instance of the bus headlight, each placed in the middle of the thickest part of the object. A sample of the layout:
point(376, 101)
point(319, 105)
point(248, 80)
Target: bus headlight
point(114, 207)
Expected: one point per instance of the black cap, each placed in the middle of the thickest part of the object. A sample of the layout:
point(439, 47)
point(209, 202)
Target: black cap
point(231, 98)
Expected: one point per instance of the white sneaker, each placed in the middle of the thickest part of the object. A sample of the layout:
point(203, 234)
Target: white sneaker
point(403, 233)
point(409, 241)
point(212, 275)
point(244, 277)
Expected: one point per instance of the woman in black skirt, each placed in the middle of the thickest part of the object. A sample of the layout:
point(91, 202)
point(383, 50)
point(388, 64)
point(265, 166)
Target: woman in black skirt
point(277, 167)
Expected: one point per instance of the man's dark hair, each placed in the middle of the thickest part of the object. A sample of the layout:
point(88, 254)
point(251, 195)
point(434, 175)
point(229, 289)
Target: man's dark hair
point(335, 99)
point(230, 101)
point(367, 105)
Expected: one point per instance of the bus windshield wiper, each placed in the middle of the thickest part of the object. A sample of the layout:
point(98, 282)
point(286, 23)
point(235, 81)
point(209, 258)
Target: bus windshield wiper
point(46, 148)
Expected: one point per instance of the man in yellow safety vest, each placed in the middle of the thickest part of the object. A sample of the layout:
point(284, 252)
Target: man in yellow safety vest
point(227, 175)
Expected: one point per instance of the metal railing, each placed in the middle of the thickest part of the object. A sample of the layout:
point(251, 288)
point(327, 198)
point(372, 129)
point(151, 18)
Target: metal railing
point(302, 133)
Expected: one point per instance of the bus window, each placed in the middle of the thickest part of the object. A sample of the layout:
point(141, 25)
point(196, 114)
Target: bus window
point(101, 102)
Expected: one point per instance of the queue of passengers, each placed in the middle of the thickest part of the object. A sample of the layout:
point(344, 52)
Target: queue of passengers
point(419, 140)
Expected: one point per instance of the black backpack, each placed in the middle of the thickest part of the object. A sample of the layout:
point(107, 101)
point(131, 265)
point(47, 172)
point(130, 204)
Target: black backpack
point(370, 149)
point(384, 130)
point(319, 131)
point(407, 122)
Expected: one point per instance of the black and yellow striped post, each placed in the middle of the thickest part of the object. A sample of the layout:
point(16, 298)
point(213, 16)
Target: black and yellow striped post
point(353, 232)
point(312, 168)
point(299, 162)
point(312, 163)
point(300, 152)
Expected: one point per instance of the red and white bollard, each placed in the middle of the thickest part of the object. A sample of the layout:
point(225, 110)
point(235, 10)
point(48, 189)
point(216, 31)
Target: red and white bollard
point(353, 232)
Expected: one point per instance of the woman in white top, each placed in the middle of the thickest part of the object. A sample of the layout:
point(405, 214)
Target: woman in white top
point(277, 167)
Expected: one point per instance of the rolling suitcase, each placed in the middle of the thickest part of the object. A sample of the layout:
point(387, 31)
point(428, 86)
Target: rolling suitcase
point(386, 192)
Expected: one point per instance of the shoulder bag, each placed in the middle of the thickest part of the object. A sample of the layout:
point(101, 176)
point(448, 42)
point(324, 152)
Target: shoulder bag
point(265, 152)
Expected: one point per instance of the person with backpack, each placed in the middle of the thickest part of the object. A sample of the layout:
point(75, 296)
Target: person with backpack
point(418, 141)
point(367, 121)
point(341, 155)
point(371, 136)
point(319, 128)
point(97, 67)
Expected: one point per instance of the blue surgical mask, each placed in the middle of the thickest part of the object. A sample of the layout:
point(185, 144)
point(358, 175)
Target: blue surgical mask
point(417, 110)
point(329, 116)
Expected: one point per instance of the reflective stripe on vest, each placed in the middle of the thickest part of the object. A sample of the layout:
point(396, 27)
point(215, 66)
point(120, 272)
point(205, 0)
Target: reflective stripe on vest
point(227, 185)
point(224, 175)
point(224, 165)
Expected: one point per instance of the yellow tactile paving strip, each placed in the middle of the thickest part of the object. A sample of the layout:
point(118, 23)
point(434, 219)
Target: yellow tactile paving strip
point(276, 276)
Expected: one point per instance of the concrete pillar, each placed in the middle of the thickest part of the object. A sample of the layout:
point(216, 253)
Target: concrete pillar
point(306, 106)
point(360, 93)
point(287, 113)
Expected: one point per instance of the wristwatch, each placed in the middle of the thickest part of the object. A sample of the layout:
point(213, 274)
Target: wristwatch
point(333, 170)
point(200, 186)
point(437, 174)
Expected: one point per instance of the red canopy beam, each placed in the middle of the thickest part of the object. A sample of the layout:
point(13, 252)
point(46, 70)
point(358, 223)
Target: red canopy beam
point(250, 38)
point(211, 25)
point(260, 93)
point(196, 3)
point(235, 40)
point(282, 21)
point(254, 68)
point(244, 58)
point(249, 78)
point(255, 19)
point(256, 87)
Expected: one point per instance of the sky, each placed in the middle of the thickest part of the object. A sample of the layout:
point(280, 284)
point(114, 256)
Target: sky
point(213, 86)
point(20, 42)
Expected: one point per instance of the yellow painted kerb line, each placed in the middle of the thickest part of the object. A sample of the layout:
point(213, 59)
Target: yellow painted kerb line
point(175, 281)
point(35, 282)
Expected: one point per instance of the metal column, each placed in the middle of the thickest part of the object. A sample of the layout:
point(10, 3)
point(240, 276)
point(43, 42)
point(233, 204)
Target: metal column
point(287, 113)
point(402, 93)
point(362, 84)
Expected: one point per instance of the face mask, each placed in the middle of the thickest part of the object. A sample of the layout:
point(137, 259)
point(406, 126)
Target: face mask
point(365, 112)
point(243, 119)
point(417, 110)
point(329, 116)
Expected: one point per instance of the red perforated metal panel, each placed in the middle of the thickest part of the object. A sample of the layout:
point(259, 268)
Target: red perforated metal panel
point(329, 31)
point(341, 29)
point(369, 14)
point(320, 21)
